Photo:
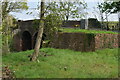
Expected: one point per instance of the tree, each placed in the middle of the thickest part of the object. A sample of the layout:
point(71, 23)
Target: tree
point(111, 6)
point(9, 6)
point(101, 14)
point(40, 33)
point(52, 20)
point(73, 9)
point(53, 9)
point(53, 23)
point(107, 8)
point(59, 12)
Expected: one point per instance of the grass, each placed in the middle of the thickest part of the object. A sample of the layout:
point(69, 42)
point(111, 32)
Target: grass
point(114, 22)
point(0, 54)
point(0, 41)
point(99, 64)
point(86, 31)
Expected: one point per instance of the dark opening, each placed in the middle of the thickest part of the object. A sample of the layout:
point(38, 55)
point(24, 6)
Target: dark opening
point(26, 41)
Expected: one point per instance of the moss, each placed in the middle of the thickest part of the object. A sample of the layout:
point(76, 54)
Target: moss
point(73, 30)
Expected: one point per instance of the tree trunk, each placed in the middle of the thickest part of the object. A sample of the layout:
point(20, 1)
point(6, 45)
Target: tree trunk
point(119, 21)
point(67, 16)
point(107, 21)
point(40, 34)
point(102, 20)
point(5, 35)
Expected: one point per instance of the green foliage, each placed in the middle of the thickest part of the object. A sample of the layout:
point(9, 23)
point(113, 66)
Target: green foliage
point(55, 14)
point(64, 63)
point(73, 9)
point(9, 6)
point(36, 24)
point(67, 10)
point(90, 37)
point(112, 24)
point(110, 6)
point(8, 23)
point(52, 25)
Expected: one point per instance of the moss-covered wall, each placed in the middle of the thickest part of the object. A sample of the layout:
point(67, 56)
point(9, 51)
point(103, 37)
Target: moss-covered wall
point(84, 42)
point(74, 41)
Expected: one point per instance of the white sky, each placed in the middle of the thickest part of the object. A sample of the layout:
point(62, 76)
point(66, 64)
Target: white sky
point(90, 10)
point(65, 0)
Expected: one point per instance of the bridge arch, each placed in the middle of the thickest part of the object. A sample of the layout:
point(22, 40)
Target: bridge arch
point(26, 41)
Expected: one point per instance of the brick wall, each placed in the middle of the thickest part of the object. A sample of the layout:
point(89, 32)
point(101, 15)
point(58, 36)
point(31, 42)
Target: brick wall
point(106, 41)
point(84, 42)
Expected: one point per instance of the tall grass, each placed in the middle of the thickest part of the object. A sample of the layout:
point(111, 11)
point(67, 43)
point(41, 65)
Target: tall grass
point(64, 63)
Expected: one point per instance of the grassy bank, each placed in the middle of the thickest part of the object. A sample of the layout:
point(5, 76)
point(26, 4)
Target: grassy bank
point(64, 64)
point(0, 41)
point(85, 30)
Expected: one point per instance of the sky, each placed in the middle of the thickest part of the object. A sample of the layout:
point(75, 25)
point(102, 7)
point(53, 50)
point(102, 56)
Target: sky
point(92, 13)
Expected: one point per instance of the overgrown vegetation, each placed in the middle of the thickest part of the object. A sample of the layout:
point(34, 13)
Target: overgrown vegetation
point(52, 25)
point(108, 7)
point(64, 63)
point(8, 23)
point(112, 25)
point(85, 31)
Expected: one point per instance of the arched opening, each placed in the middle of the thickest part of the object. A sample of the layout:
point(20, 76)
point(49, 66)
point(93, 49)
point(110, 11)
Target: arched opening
point(26, 41)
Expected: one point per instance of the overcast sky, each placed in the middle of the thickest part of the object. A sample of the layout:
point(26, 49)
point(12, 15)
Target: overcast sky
point(92, 13)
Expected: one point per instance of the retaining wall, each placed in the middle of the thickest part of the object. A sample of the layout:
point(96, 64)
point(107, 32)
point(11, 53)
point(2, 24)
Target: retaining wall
point(84, 42)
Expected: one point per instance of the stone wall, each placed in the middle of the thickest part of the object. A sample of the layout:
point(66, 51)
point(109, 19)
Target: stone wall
point(71, 24)
point(17, 43)
point(93, 23)
point(90, 24)
point(24, 39)
point(85, 42)
point(74, 41)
